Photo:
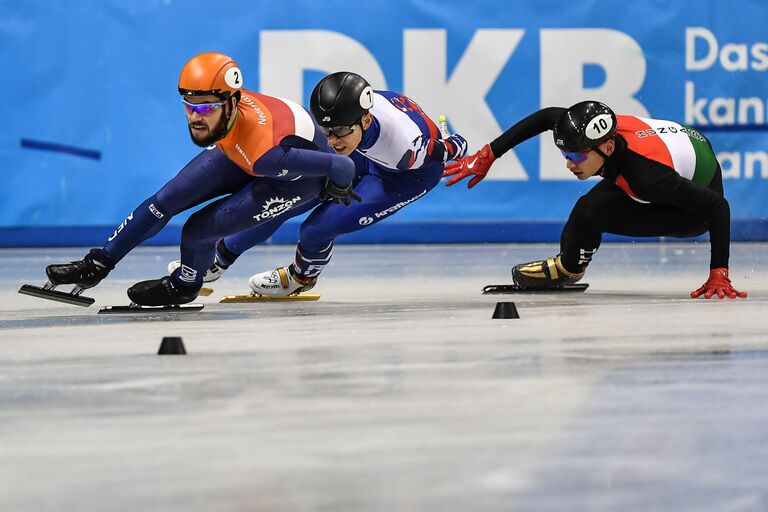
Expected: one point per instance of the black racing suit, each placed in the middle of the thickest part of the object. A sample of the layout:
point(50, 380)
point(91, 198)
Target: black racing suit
point(674, 205)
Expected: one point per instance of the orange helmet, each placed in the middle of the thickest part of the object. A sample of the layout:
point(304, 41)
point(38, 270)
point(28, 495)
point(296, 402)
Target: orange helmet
point(210, 73)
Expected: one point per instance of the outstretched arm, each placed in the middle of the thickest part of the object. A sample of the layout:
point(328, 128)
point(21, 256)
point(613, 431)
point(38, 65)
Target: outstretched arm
point(534, 124)
point(478, 164)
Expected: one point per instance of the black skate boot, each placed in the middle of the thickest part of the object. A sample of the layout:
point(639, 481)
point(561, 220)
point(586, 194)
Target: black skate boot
point(544, 274)
point(84, 274)
point(160, 292)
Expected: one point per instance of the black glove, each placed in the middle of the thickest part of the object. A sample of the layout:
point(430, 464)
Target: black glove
point(335, 193)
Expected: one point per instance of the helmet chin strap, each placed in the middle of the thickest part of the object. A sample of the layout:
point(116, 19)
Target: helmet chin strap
point(229, 115)
point(599, 152)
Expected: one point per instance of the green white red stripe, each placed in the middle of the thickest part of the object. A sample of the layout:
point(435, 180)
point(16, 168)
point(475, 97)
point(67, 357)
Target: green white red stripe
point(680, 147)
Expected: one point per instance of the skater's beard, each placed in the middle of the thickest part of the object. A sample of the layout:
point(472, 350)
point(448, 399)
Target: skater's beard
point(216, 133)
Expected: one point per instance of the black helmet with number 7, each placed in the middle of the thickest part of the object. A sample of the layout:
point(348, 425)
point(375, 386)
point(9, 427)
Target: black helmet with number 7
point(341, 99)
point(584, 126)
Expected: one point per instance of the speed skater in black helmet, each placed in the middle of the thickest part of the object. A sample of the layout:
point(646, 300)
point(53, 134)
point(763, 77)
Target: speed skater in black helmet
point(659, 178)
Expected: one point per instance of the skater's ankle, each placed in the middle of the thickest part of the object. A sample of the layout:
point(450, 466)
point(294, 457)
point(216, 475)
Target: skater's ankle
point(570, 273)
point(224, 257)
point(100, 256)
point(184, 286)
point(303, 280)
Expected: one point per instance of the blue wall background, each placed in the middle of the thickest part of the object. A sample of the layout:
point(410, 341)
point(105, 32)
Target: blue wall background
point(92, 122)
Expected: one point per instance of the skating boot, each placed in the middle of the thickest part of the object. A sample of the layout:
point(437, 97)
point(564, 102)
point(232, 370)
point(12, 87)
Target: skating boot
point(548, 273)
point(282, 282)
point(160, 292)
point(84, 274)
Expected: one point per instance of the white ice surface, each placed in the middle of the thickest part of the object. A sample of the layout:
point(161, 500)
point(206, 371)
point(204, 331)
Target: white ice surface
point(396, 391)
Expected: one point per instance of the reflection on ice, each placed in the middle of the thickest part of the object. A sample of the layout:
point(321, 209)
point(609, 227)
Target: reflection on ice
point(395, 391)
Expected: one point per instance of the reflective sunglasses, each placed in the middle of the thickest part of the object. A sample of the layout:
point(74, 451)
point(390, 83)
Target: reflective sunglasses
point(204, 109)
point(338, 131)
point(575, 156)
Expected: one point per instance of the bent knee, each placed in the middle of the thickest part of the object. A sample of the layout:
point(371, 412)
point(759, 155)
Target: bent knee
point(586, 211)
point(170, 202)
point(195, 228)
point(319, 231)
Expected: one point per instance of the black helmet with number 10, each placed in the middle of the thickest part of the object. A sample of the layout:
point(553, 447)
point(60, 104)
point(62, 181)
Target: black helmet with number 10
point(341, 99)
point(584, 126)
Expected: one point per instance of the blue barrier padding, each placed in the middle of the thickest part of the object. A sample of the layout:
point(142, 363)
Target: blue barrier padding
point(101, 126)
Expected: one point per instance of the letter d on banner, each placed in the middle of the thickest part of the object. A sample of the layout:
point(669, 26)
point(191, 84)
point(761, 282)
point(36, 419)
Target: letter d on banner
point(284, 55)
point(564, 53)
point(692, 34)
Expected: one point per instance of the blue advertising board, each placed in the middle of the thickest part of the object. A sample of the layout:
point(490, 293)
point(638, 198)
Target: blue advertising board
point(93, 123)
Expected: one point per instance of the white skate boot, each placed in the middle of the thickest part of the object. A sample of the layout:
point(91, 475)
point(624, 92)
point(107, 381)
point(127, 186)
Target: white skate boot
point(281, 282)
point(213, 273)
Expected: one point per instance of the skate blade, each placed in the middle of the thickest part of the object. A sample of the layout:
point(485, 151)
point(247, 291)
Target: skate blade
point(513, 288)
point(135, 308)
point(68, 298)
point(204, 292)
point(267, 298)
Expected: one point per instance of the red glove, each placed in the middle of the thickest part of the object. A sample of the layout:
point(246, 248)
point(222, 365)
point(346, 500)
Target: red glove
point(477, 165)
point(718, 284)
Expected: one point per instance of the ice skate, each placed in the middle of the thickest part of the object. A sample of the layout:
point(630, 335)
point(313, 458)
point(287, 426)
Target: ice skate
point(83, 274)
point(281, 282)
point(160, 292)
point(544, 274)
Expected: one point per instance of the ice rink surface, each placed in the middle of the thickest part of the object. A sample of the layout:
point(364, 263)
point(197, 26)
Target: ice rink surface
point(396, 391)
